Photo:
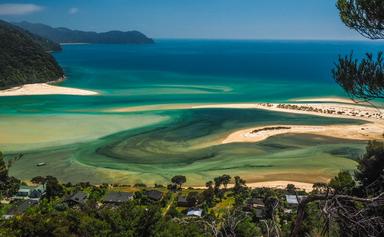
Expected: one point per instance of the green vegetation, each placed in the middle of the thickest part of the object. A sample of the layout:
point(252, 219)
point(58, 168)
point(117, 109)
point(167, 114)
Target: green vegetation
point(364, 16)
point(362, 79)
point(23, 60)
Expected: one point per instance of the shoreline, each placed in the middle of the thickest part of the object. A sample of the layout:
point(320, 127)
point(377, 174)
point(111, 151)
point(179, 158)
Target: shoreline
point(371, 130)
point(45, 89)
point(362, 132)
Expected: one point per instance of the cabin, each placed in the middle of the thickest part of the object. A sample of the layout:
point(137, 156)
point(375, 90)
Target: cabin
point(20, 208)
point(182, 202)
point(27, 192)
point(195, 212)
point(257, 206)
point(117, 197)
point(78, 198)
point(294, 200)
point(154, 195)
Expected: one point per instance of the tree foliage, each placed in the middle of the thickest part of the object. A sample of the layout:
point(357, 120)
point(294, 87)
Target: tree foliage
point(23, 60)
point(361, 79)
point(370, 170)
point(364, 16)
point(179, 180)
point(8, 185)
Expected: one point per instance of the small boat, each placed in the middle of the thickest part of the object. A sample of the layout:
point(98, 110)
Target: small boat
point(41, 164)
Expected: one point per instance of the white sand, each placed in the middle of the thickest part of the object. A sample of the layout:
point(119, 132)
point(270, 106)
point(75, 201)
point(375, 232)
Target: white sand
point(333, 110)
point(369, 131)
point(44, 89)
point(372, 130)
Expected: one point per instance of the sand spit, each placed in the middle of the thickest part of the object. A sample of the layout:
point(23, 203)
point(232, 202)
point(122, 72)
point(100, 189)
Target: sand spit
point(44, 89)
point(373, 129)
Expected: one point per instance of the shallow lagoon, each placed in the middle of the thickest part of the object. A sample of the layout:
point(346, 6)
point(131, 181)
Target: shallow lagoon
point(80, 139)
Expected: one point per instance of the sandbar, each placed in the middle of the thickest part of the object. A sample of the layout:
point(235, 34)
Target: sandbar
point(45, 89)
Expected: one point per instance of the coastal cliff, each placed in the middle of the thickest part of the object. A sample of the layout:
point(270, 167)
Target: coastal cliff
point(24, 58)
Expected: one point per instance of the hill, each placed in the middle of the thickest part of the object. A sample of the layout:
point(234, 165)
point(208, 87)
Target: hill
point(23, 58)
point(65, 35)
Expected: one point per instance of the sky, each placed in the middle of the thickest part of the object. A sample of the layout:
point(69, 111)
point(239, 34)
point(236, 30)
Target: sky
point(203, 19)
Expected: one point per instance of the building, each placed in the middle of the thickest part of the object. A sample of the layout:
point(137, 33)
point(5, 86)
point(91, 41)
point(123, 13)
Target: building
point(19, 208)
point(182, 202)
point(27, 192)
point(257, 206)
point(257, 203)
point(117, 197)
point(78, 198)
point(294, 200)
point(197, 212)
point(154, 195)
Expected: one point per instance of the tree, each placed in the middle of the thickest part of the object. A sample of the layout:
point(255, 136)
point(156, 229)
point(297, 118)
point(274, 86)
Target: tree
point(319, 187)
point(8, 185)
point(370, 170)
point(38, 180)
point(53, 188)
point(225, 179)
point(209, 184)
point(291, 188)
point(3, 169)
point(239, 185)
point(179, 180)
point(364, 16)
point(343, 183)
point(362, 79)
point(218, 182)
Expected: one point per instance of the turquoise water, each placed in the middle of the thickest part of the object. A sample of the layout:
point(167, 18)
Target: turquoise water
point(80, 140)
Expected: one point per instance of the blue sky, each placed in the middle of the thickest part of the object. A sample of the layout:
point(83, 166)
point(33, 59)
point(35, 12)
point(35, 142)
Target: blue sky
point(211, 19)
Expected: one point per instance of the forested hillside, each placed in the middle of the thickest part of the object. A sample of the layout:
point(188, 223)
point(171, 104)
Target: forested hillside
point(65, 35)
point(23, 58)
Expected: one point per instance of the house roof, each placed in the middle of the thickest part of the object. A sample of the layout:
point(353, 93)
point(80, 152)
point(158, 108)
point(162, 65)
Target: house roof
point(182, 199)
point(257, 201)
point(293, 199)
point(78, 197)
point(154, 194)
point(21, 207)
point(195, 212)
point(117, 197)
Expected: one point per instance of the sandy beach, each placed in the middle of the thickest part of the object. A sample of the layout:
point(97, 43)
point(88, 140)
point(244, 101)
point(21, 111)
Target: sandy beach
point(372, 130)
point(337, 108)
point(369, 131)
point(44, 89)
point(280, 184)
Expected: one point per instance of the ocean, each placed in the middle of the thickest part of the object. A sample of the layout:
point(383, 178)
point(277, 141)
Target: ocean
point(89, 138)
